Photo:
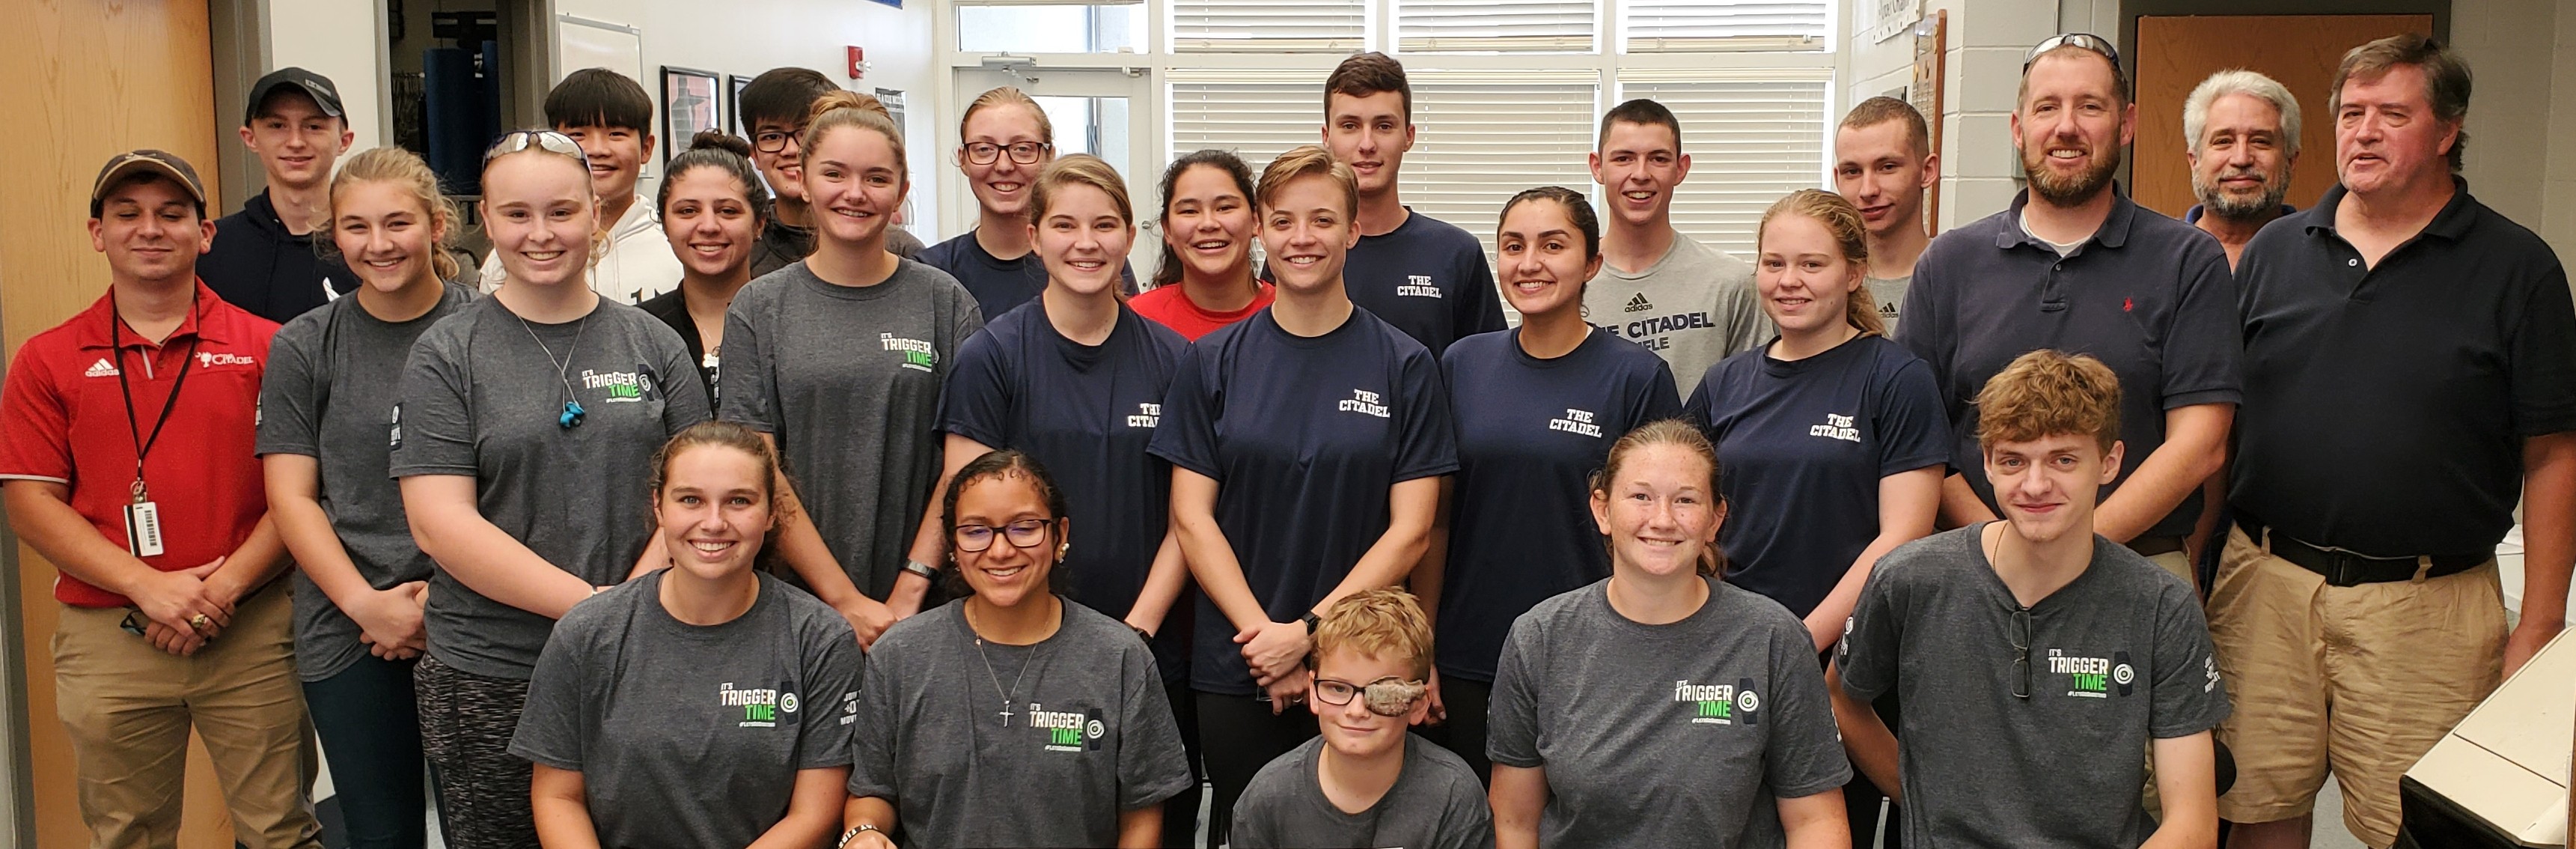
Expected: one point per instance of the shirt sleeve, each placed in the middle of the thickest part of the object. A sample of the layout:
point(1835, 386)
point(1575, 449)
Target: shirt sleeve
point(1912, 430)
point(832, 673)
point(1187, 434)
point(746, 382)
point(557, 720)
point(976, 401)
point(2204, 348)
point(1927, 332)
point(1469, 823)
point(1254, 824)
point(1480, 310)
point(1511, 714)
point(2543, 374)
point(35, 422)
point(433, 424)
point(1805, 753)
point(1152, 766)
point(289, 420)
point(1866, 656)
point(2189, 697)
point(1428, 441)
point(872, 735)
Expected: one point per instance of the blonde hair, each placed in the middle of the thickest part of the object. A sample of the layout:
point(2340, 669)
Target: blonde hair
point(837, 109)
point(2048, 393)
point(1666, 432)
point(1383, 623)
point(1843, 222)
point(1305, 161)
point(405, 169)
point(1080, 169)
point(1008, 96)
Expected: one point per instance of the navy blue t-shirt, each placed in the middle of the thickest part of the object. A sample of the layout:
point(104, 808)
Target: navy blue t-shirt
point(1304, 436)
point(1801, 446)
point(1429, 279)
point(999, 285)
point(1086, 413)
point(1530, 434)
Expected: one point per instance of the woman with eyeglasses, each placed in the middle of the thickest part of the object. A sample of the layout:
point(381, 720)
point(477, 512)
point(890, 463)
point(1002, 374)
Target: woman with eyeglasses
point(1661, 706)
point(1005, 140)
point(522, 440)
point(839, 359)
point(1009, 717)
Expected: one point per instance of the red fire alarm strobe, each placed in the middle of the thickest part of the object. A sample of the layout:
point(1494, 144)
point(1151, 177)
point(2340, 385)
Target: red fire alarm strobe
point(858, 62)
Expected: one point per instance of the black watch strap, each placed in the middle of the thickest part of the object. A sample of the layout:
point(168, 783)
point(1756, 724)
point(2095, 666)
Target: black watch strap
point(1313, 622)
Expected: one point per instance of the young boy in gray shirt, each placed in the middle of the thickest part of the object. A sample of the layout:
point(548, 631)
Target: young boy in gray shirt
point(2043, 668)
point(1366, 781)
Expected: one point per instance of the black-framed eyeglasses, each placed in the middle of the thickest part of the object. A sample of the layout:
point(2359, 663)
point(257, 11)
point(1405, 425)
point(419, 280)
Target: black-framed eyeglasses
point(546, 140)
point(772, 141)
point(1025, 533)
point(2020, 636)
point(133, 623)
point(2084, 40)
point(1025, 153)
point(1388, 696)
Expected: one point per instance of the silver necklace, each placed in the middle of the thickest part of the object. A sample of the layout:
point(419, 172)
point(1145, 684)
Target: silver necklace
point(572, 411)
point(1010, 695)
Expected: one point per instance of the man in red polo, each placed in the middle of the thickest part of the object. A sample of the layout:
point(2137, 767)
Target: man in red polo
point(125, 459)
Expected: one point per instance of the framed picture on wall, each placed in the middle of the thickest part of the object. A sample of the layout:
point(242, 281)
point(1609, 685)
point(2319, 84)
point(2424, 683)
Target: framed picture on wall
point(690, 103)
point(734, 84)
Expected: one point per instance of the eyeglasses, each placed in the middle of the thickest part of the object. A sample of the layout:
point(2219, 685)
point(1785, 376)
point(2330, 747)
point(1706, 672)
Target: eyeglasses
point(2084, 40)
point(546, 140)
point(1025, 533)
point(1388, 696)
point(2021, 644)
point(1025, 153)
point(772, 141)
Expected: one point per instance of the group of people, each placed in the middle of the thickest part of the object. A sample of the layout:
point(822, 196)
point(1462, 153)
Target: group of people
point(1663, 564)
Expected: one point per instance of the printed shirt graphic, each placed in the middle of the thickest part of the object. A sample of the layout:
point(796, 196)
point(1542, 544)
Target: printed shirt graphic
point(1694, 307)
point(1303, 436)
point(1087, 413)
point(1664, 735)
point(2118, 657)
point(1530, 433)
point(1089, 732)
point(653, 711)
point(1427, 278)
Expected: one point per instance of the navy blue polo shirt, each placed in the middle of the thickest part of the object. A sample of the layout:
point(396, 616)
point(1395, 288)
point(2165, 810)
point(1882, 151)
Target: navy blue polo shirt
point(1428, 278)
point(1530, 434)
point(2386, 406)
point(1086, 412)
point(1801, 446)
point(2149, 296)
point(999, 285)
point(1303, 435)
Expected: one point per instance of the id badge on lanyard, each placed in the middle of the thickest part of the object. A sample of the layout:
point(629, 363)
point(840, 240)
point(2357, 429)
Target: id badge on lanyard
point(142, 524)
point(143, 536)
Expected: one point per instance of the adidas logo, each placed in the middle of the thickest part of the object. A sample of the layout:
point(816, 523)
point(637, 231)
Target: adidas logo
point(1639, 303)
point(102, 368)
point(1887, 310)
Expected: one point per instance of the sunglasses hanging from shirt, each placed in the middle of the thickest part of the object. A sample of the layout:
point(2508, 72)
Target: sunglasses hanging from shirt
point(143, 535)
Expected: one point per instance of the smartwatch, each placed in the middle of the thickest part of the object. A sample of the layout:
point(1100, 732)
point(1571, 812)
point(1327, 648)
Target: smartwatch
point(1313, 622)
point(923, 569)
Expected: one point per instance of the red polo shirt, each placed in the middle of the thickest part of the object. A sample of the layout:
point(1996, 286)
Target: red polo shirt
point(62, 419)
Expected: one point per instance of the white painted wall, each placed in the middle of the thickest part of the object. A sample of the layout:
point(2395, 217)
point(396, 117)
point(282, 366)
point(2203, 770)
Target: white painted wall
point(2508, 44)
point(340, 39)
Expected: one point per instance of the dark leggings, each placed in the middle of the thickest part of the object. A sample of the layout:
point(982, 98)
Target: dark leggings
point(370, 729)
point(1463, 732)
point(1238, 736)
point(465, 725)
point(1181, 813)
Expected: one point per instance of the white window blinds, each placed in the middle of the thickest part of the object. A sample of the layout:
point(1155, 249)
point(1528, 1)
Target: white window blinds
point(1752, 137)
point(1485, 136)
point(1677, 26)
point(1496, 26)
point(1269, 26)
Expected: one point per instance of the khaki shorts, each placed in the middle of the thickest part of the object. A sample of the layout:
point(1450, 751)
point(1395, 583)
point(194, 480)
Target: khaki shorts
point(2359, 680)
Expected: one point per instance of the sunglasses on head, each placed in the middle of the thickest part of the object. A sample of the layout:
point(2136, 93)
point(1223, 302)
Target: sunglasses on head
point(2081, 40)
point(546, 140)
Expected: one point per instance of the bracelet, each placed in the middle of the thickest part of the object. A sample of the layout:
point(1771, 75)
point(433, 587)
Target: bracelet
point(925, 570)
point(853, 834)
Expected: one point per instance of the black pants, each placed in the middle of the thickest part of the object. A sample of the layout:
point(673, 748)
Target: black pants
point(1464, 731)
point(1181, 813)
point(1238, 735)
point(370, 729)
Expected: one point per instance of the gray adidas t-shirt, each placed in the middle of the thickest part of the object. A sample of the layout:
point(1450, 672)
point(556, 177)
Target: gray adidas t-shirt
point(663, 718)
point(848, 378)
point(1090, 733)
point(2118, 657)
point(481, 398)
point(1665, 735)
point(1436, 803)
point(1889, 292)
point(1694, 307)
point(333, 376)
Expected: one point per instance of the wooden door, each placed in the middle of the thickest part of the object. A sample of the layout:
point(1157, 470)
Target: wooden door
point(2174, 53)
point(93, 79)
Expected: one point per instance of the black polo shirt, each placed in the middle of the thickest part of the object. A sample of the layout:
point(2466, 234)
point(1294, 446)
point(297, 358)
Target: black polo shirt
point(2385, 407)
point(2147, 295)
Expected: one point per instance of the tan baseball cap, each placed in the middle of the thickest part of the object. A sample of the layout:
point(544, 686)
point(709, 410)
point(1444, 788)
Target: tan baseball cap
point(161, 162)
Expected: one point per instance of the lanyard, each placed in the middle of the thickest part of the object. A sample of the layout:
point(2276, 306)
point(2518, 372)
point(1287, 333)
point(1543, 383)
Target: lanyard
point(143, 444)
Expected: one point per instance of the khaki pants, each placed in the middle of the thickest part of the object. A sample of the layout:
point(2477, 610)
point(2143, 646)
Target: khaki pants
point(2360, 681)
point(129, 708)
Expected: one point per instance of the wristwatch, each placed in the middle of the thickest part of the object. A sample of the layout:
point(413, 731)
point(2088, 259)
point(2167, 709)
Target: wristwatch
point(853, 834)
point(925, 570)
point(1313, 622)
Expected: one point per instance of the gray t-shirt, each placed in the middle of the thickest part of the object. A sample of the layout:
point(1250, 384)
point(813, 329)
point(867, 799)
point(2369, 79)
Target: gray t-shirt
point(1682, 734)
point(848, 378)
point(2118, 657)
point(1090, 733)
point(662, 717)
point(1436, 803)
point(1889, 292)
point(333, 376)
point(1694, 307)
point(481, 397)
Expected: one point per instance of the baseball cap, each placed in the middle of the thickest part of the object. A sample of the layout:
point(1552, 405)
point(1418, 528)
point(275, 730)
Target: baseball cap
point(160, 162)
point(317, 86)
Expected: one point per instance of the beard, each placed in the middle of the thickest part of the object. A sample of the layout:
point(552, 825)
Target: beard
point(2073, 189)
point(2238, 207)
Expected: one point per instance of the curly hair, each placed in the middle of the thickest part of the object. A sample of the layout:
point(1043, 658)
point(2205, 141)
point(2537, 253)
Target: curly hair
point(1384, 623)
point(2048, 393)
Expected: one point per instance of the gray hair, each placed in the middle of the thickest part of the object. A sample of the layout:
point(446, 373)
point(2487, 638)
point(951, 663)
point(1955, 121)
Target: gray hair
point(2195, 109)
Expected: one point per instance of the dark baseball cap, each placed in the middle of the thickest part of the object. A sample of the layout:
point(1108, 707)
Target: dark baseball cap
point(317, 86)
point(160, 162)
